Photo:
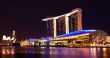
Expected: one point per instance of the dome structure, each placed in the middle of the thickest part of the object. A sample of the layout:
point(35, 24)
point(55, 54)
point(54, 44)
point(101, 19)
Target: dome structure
point(99, 33)
point(98, 36)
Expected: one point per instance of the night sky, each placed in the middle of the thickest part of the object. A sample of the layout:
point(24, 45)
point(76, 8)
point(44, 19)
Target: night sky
point(24, 16)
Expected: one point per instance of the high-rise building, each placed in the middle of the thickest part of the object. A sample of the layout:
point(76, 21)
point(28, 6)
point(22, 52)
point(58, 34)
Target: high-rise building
point(60, 25)
point(49, 27)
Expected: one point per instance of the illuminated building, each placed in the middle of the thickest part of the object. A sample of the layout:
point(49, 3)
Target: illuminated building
point(75, 36)
point(66, 23)
point(99, 36)
point(49, 26)
point(61, 27)
point(7, 40)
point(67, 28)
point(29, 42)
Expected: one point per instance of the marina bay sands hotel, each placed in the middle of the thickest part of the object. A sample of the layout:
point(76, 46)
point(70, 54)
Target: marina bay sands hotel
point(67, 28)
point(64, 24)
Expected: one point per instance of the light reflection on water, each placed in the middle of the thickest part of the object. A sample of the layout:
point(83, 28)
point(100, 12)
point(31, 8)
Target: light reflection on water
point(7, 50)
point(53, 52)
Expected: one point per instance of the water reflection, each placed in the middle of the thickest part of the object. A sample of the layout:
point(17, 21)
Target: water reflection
point(53, 52)
point(7, 50)
point(105, 53)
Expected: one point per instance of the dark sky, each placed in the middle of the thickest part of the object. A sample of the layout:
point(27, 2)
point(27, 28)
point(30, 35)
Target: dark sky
point(25, 16)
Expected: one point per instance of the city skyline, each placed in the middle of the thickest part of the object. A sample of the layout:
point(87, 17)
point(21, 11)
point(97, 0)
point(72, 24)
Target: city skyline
point(25, 16)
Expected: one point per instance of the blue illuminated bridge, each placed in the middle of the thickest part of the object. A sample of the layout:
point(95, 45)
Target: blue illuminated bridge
point(78, 32)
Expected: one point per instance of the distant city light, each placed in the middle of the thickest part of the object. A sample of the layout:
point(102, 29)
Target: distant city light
point(4, 37)
point(8, 38)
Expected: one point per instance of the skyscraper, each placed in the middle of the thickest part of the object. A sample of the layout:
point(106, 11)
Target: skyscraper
point(60, 26)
